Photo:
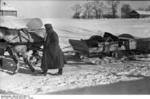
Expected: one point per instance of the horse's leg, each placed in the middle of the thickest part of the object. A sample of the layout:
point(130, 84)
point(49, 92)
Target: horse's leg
point(15, 58)
point(28, 63)
point(36, 54)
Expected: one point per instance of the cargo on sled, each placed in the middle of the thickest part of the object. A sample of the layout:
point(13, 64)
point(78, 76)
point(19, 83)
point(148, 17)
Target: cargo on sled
point(97, 46)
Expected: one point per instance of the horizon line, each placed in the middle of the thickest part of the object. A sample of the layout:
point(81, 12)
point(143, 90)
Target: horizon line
point(75, 0)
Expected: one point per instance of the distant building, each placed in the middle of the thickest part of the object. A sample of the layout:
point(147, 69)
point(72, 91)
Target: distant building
point(139, 14)
point(6, 10)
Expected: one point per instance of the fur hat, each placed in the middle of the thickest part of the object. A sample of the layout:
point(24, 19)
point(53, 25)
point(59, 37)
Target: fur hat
point(48, 26)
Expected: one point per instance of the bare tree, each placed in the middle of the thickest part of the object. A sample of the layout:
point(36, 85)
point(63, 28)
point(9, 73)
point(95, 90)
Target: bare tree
point(98, 7)
point(88, 9)
point(95, 9)
point(114, 5)
point(77, 8)
point(125, 10)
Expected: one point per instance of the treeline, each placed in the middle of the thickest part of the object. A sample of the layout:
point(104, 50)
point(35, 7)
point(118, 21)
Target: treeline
point(95, 9)
point(102, 9)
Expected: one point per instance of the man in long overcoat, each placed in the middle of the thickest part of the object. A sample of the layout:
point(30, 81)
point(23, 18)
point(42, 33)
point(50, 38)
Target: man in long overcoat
point(53, 57)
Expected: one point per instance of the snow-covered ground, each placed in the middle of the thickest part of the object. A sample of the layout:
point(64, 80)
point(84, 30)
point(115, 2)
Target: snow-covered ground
point(78, 74)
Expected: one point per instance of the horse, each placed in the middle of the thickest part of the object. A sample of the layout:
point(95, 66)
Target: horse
point(13, 36)
point(36, 45)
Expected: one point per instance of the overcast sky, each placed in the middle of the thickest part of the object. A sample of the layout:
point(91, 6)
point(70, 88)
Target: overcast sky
point(56, 8)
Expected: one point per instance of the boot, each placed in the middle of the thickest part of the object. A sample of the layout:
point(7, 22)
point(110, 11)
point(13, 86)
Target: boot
point(60, 71)
point(44, 72)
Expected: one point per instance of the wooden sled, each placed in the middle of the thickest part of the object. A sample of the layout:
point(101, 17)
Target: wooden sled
point(81, 48)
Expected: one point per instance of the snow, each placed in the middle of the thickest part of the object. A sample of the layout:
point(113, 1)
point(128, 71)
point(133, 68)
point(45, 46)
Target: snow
point(8, 8)
point(143, 12)
point(77, 74)
point(13, 22)
point(17, 23)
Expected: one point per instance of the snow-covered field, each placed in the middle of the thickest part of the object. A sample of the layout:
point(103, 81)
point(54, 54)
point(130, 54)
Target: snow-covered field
point(79, 74)
point(77, 29)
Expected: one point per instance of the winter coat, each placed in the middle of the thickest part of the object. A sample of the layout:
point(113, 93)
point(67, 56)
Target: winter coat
point(53, 57)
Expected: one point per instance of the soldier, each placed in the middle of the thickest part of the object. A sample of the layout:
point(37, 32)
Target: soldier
point(53, 57)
